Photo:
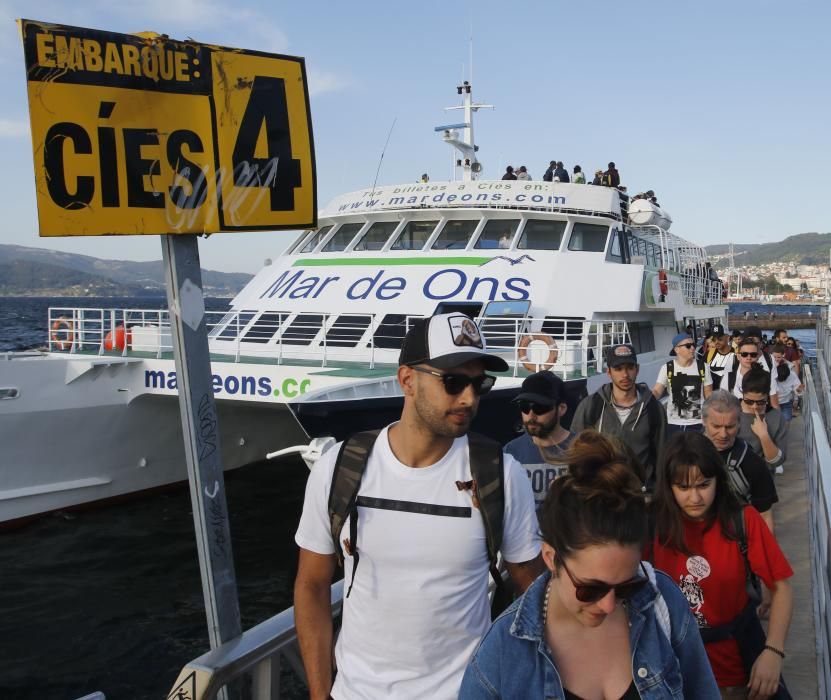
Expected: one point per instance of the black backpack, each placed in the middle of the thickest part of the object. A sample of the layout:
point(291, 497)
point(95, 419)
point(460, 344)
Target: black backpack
point(487, 487)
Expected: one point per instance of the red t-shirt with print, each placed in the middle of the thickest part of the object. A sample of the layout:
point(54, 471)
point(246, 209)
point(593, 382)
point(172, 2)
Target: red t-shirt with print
point(713, 581)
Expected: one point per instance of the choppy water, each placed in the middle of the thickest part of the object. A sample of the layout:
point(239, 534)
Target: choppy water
point(111, 599)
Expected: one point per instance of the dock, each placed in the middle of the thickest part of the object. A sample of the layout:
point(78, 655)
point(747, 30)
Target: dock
point(766, 321)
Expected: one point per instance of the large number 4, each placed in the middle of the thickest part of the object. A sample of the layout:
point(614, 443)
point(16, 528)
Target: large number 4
point(267, 107)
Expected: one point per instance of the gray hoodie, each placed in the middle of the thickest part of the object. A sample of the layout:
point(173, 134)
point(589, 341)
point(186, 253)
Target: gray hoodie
point(644, 429)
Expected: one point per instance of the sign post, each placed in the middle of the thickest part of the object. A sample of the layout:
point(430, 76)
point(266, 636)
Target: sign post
point(145, 135)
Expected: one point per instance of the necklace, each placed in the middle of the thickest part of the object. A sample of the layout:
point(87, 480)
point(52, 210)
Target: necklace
point(545, 602)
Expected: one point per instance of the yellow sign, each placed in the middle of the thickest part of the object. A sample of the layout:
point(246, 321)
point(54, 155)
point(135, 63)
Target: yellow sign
point(140, 134)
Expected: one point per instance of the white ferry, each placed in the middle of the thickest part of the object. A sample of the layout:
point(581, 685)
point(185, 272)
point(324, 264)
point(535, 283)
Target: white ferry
point(553, 272)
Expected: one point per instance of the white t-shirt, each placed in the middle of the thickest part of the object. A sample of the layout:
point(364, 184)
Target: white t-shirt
point(419, 604)
point(737, 387)
point(787, 388)
point(686, 393)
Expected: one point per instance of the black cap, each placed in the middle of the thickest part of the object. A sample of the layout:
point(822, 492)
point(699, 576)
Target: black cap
point(542, 387)
point(623, 354)
point(717, 331)
point(752, 332)
point(445, 341)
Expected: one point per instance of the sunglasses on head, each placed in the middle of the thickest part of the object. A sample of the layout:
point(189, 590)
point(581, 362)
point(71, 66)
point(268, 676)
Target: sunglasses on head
point(749, 354)
point(685, 345)
point(755, 402)
point(533, 406)
point(592, 592)
point(456, 383)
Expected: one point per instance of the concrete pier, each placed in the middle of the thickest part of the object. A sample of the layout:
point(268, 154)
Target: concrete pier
point(765, 322)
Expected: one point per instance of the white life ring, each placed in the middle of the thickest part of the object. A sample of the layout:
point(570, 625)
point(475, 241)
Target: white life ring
point(531, 348)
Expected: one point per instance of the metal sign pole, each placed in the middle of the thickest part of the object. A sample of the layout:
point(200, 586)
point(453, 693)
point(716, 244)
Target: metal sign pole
point(183, 278)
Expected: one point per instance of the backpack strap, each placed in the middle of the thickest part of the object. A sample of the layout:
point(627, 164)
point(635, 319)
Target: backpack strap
point(343, 494)
point(702, 373)
point(488, 472)
point(738, 479)
point(595, 410)
point(754, 592)
point(670, 370)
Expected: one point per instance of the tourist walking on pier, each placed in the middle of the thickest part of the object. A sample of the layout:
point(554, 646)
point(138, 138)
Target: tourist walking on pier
point(598, 622)
point(626, 409)
point(748, 356)
point(762, 426)
point(720, 356)
point(687, 380)
point(542, 403)
point(787, 381)
point(750, 478)
point(405, 504)
point(717, 550)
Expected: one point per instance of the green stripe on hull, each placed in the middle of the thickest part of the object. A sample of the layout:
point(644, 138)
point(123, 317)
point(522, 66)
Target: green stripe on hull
point(376, 262)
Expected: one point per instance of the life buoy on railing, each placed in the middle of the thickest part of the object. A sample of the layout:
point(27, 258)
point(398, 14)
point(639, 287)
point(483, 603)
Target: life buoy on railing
point(63, 333)
point(662, 282)
point(534, 344)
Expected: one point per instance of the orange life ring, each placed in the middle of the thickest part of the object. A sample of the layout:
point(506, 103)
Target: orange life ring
point(662, 282)
point(63, 333)
point(524, 346)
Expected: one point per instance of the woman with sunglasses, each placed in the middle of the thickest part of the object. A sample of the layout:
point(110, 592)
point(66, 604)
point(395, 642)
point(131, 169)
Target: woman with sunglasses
point(599, 623)
point(761, 426)
point(699, 530)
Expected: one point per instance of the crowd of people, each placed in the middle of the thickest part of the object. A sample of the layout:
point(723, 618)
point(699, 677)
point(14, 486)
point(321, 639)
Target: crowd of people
point(556, 172)
point(639, 541)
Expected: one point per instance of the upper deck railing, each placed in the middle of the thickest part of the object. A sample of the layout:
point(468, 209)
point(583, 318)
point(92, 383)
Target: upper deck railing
point(569, 347)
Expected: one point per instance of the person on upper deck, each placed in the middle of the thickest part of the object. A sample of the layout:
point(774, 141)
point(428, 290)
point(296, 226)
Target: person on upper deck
point(598, 177)
point(542, 403)
point(611, 178)
point(626, 410)
point(599, 623)
point(411, 514)
point(686, 378)
point(523, 173)
point(548, 175)
point(509, 173)
point(561, 173)
point(579, 177)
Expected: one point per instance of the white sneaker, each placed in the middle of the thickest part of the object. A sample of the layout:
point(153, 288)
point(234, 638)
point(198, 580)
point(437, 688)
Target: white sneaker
point(779, 470)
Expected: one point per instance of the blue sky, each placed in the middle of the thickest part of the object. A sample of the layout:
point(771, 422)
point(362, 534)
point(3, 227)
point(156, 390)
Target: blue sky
point(721, 107)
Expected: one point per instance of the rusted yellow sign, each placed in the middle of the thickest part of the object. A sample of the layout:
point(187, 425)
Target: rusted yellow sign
point(141, 134)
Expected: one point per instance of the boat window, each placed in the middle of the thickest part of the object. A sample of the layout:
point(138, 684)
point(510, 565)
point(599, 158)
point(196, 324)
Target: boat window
point(498, 233)
point(302, 330)
point(502, 322)
point(589, 238)
point(264, 328)
point(376, 235)
point(455, 234)
point(347, 330)
point(542, 234)
point(313, 240)
point(614, 249)
point(390, 332)
point(342, 238)
point(236, 323)
point(414, 235)
point(650, 255)
point(563, 327)
point(642, 336)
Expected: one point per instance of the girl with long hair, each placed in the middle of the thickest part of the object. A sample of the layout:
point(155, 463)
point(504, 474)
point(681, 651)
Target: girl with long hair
point(716, 550)
point(599, 623)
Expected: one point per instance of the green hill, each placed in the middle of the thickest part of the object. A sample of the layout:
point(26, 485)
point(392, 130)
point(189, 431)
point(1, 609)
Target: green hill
point(802, 249)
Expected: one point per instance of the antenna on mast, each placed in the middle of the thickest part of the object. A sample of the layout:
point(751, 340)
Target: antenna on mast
point(464, 144)
point(383, 151)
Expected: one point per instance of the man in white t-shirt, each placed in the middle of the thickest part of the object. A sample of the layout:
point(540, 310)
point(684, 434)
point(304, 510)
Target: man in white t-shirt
point(417, 605)
point(750, 354)
point(687, 380)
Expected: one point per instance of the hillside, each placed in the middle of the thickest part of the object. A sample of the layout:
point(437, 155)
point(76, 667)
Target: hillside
point(802, 249)
point(35, 271)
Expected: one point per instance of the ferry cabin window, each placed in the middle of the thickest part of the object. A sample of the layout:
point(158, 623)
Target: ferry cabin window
point(302, 330)
point(542, 234)
point(390, 332)
point(236, 323)
point(342, 238)
point(414, 235)
point(590, 238)
point(455, 234)
point(614, 249)
point(497, 233)
point(642, 336)
point(376, 235)
point(314, 239)
point(347, 330)
point(264, 328)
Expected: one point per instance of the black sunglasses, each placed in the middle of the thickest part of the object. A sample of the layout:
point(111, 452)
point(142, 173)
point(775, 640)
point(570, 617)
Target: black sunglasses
point(592, 592)
point(755, 402)
point(456, 383)
point(538, 408)
point(749, 354)
point(686, 345)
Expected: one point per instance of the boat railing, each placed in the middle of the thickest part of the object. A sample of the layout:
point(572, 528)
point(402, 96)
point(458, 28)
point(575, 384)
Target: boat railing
point(567, 346)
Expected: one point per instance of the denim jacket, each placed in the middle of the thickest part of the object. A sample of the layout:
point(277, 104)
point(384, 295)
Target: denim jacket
point(514, 661)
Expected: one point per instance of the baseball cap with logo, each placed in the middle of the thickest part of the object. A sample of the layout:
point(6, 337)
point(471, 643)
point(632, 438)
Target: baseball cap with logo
point(717, 331)
point(622, 354)
point(445, 341)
